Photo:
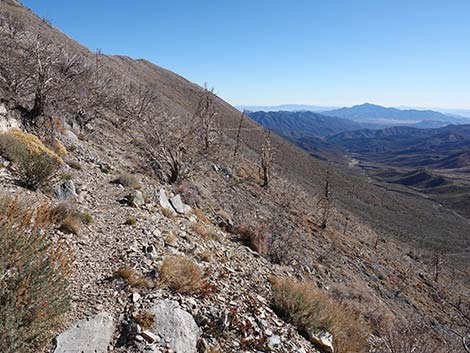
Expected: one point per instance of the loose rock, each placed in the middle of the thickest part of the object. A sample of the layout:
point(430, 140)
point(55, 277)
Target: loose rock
point(87, 336)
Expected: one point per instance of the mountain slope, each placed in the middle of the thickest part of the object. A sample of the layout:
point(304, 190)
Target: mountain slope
point(299, 123)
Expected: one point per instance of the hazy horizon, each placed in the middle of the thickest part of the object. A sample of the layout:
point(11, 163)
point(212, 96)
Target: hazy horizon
point(333, 53)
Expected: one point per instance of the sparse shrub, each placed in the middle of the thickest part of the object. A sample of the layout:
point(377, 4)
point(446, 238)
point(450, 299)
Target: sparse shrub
point(204, 231)
point(59, 148)
point(132, 278)
point(200, 215)
point(256, 238)
point(413, 337)
point(128, 181)
point(145, 319)
point(169, 238)
point(182, 275)
point(168, 213)
point(67, 218)
point(33, 278)
point(206, 256)
point(131, 221)
point(74, 165)
point(312, 311)
point(106, 168)
point(36, 163)
point(66, 176)
point(71, 224)
point(87, 218)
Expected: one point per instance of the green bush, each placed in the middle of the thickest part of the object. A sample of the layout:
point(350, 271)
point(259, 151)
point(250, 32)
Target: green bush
point(33, 279)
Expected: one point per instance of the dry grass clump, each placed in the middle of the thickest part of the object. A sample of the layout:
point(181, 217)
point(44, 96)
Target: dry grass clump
point(204, 231)
point(312, 311)
point(145, 319)
point(71, 224)
point(87, 218)
point(68, 218)
point(128, 181)
point(206, 256)
point(74, 165)
point(59, 148)
point(167, 213)
point(256, 238)
point(132, 278)
point(33, 278)
point(36, 163)
point(182, 275)
point(200, 215)
point(131, 221)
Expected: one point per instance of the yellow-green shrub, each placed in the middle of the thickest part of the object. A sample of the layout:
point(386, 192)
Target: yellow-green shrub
point(312, 311)
point(33, 278)
point(36, 163)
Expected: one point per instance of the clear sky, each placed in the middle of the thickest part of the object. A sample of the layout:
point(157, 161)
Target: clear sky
point(268, 52)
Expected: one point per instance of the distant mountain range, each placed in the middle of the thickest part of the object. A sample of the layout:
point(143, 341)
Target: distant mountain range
point(307, 129)
point(376, 114)
point(303, 123)
point(285, 107)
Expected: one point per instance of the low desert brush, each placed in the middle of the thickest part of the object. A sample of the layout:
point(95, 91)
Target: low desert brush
point(68, 218)
point(59, 148)
point(312, 311)
point(200, 215)
point(256, 238)
point(182, 275)
point(168, 213)
point(36, 164)
point(33, 278)
point(128, 181)
point(132, 278)
point(145, 319)
point(204, 231)
point(131, 221)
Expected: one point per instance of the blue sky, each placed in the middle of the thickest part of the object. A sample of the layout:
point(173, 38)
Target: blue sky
point(267, 52)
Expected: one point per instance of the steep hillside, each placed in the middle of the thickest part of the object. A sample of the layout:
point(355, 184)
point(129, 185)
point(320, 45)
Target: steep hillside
point(236, 253)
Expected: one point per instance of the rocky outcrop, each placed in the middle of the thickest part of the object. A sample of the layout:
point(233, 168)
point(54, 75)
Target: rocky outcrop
point(160, 195)
point(7, 122)
point(323, 340)
point(176, 326)
point(65, 191)
point(87, 336)
point(179, 206)
point(135, 198)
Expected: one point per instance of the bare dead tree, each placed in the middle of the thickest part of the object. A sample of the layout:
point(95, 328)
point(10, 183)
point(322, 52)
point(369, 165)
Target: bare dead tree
point(438, 261)
point(171, 147)
point(411, 337)
point(239, 133)
point(266, 162)
point(206, 115)
point(326, 200)
point(346, 223)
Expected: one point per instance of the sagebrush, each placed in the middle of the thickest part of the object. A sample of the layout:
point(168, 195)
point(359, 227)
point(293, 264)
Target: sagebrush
point(33, 278)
